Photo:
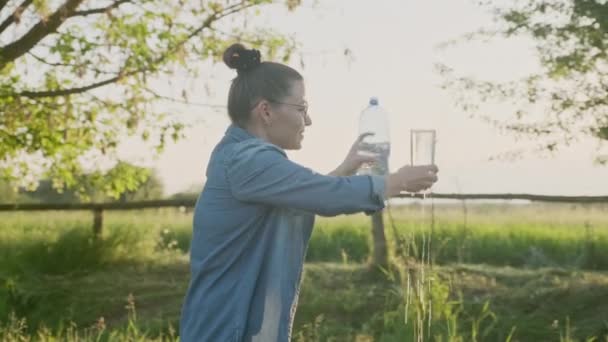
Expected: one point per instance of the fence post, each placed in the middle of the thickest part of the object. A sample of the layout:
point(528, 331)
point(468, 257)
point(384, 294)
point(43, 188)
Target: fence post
point(380, 252)
point(97, 222)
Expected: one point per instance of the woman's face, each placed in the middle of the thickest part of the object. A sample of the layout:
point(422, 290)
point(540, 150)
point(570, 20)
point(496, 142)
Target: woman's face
point(289, 118)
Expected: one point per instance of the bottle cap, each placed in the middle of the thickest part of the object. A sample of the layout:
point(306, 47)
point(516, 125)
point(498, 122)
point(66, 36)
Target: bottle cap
point(373, 101)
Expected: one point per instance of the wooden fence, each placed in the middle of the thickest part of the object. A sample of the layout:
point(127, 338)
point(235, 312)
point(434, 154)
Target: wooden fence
point(99, 208)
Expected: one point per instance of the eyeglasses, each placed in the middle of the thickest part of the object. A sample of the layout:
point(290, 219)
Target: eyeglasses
point(303, 107)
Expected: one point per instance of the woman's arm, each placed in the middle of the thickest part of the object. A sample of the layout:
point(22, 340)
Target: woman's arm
point(260, 172)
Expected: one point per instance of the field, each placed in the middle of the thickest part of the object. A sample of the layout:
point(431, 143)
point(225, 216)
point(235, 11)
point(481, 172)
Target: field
point(497, 272)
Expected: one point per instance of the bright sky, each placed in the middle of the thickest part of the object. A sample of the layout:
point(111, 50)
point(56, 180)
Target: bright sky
point(394, 50)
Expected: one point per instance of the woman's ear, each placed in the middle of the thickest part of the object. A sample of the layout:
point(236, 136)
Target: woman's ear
point(263, 112)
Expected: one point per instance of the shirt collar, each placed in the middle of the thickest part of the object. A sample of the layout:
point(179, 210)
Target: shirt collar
point(238, 133)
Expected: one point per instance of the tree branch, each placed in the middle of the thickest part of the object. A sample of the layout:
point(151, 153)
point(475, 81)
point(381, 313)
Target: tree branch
point(68, 65)
point(100, 10)
point(2, 4)
point(186, 102)
point(62, 92)
point(15, 16)
point(43, 28)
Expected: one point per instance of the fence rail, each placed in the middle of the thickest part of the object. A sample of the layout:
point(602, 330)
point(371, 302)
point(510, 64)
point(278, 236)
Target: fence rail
point(192, 202)
point(529, 197)
point(98, 208)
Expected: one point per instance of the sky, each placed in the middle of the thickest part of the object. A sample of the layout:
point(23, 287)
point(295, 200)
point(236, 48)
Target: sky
point(394, 46)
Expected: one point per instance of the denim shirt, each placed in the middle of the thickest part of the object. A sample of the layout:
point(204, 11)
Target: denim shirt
point(252, 224)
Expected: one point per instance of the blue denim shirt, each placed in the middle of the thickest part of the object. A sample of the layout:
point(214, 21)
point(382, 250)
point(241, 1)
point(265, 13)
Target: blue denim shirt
point(252, 224)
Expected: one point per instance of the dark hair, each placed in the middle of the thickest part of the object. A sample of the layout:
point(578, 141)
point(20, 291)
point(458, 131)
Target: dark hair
point(255, 80)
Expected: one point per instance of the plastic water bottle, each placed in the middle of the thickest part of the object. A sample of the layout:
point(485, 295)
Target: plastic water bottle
point(374, 119)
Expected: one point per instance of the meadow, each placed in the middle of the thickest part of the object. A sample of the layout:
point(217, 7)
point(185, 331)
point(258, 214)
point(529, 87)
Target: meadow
point(495, 272)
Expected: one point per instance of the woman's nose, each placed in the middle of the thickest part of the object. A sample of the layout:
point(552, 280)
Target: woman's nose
point(307, 120)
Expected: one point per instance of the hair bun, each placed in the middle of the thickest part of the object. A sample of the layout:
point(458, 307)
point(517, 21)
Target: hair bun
point(240, 58)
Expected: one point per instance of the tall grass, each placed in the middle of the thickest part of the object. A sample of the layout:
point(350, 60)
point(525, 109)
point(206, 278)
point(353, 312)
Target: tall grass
point(534, 235)
point(63, 243)
point(58, 247)
point(16, 330)
point(428, 309)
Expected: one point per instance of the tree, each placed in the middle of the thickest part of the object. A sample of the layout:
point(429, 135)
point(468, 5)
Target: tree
point(46, 193)
point(151, 188)
point(79, 76)
point(8, 193)
point(136, 183)
point(571, 88)
point(190, 193)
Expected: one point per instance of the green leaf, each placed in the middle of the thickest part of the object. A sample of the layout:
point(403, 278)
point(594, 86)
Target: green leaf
point(134, 46)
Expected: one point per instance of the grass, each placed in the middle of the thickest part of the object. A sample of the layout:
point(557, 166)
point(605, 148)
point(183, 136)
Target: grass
point(502, 235)
point(346, 303)
point(524, 273)
point(529, 305)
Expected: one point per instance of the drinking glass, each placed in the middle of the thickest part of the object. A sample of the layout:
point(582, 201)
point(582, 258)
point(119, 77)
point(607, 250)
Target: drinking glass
point(422, 146)
point(422, 149)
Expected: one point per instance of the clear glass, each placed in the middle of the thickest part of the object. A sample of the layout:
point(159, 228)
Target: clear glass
point(422, 144)
point(422, 149)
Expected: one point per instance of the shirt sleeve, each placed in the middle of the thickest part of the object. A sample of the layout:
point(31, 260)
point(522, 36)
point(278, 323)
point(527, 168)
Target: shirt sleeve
point(261, 173)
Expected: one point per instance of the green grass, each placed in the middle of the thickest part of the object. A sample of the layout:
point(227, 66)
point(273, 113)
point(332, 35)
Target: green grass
point(502, 235)
point(522, 236)
point(538, 266)
point(62, 243)
point(534, 304)
point(346, 302)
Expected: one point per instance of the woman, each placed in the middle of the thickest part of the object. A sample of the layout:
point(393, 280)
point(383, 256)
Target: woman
point(253, 219)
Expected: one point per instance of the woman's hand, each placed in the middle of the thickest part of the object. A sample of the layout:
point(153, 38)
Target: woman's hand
point(410, 179)
point(354, 160)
